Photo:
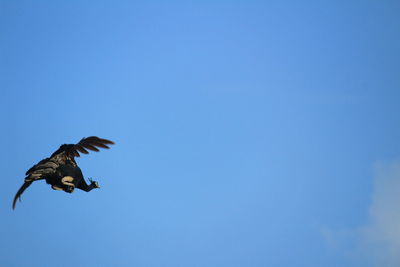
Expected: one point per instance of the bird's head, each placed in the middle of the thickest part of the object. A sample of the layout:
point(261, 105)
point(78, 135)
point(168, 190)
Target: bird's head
point(94, 184)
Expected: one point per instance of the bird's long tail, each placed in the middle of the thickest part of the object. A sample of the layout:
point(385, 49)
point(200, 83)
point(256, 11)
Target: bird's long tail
point(20, 191)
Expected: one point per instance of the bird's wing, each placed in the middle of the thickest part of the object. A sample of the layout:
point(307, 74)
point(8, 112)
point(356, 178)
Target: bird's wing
point(20, 191)
point(37, 166)
point(43, 169)
point(90, 143)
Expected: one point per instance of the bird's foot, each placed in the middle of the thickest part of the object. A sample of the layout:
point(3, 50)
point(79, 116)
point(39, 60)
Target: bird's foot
point(69, 189)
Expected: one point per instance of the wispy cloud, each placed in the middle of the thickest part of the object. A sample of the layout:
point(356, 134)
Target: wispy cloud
point(377, 242)
point(380, 237)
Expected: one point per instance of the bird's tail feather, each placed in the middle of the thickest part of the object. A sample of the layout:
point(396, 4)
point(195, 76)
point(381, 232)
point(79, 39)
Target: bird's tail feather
point(20, 191)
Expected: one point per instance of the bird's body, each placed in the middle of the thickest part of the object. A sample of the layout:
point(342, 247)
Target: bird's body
point(60, 169)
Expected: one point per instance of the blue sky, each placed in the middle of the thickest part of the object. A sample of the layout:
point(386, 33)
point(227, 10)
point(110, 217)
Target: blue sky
point(248, 133)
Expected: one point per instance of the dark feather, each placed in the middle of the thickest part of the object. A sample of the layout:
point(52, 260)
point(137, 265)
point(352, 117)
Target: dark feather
point(99, 140)
point(81, 149)
point(20, 191)
point(100, 145)
point(105, 141)
point(36, 165)
point(90, 143)
point(91, 147)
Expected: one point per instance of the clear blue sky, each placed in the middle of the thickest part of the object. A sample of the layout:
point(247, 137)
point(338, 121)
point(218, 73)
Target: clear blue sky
point(246, 131)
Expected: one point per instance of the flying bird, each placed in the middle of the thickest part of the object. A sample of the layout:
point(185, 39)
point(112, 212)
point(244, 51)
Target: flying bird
point(60, 169)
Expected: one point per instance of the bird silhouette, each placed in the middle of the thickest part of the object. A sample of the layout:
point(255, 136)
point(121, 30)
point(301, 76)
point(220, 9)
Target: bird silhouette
point(61, 171)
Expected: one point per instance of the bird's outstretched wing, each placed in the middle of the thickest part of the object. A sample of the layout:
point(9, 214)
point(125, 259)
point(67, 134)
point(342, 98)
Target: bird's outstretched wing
point(43, 169)
point(90, 143)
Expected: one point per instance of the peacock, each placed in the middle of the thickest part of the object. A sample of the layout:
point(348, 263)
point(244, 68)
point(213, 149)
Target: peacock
point(61, 171)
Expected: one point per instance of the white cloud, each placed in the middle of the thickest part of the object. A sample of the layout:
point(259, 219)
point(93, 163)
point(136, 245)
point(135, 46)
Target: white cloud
point(380, 237)
point(377, 243)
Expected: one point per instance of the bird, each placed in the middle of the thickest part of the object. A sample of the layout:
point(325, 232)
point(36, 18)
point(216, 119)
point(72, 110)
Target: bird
point(61, 171)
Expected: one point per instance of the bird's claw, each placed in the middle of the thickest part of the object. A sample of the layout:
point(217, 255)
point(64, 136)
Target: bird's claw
point(69, 189)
